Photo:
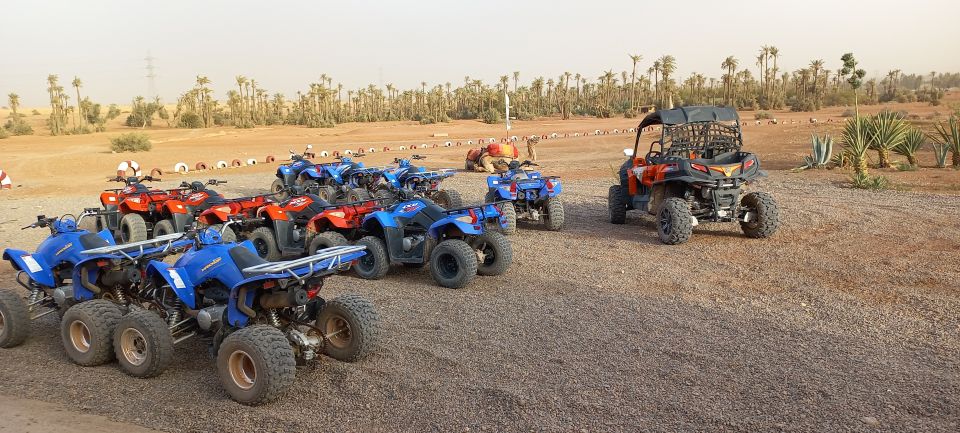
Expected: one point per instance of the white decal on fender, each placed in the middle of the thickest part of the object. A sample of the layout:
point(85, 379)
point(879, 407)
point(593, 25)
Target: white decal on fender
point(32, 264)
point(177, 281)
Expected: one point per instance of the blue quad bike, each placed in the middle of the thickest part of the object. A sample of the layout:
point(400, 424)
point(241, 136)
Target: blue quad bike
point(45, 274)
point(289, 174)
point(417, 231)
point(534, 197)
point(343, 180)
point(262, 318)
point(423, 182)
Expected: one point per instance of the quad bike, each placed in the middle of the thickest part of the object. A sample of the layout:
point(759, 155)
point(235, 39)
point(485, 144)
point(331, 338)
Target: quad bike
point(533, 197)
point(417, 231)
point(46, 273)
point(694, 173)
point(289, 174)
point(290, 228)
point(108, 284)
point(262, 318)
point(138, 213)
point(332, 181)
point(424, 183)
point(244, 208)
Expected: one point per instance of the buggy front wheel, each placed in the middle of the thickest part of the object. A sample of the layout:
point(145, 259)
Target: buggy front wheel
point(674, 224)
point(617, 204)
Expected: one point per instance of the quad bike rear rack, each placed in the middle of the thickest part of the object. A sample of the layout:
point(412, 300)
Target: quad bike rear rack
point(335, 253)
point(123, 249)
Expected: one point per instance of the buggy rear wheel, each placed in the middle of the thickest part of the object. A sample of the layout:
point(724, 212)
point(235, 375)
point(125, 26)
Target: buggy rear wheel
point(256, 364)
point(453, 263)
point(133, 228)
point(87, 331)
point(142, 344)
point(673, 221)
point(765, 215)
point(14, 319)
point(351, 327)
point(617, 204)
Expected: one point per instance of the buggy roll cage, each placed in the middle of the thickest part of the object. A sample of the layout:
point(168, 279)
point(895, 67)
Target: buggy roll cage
point(699, 130)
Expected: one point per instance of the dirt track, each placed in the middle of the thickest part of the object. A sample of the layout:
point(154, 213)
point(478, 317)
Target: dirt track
point(845, 320)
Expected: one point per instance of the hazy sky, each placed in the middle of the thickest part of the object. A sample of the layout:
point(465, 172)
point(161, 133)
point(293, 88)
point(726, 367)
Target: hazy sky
point(285, 44)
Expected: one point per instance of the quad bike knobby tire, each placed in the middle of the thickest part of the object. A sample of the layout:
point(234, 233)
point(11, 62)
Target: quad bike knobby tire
point(133, 228)
point(326, 240)
point(256, 364)
point(87, 331)
point(91, 224)
point(163, 227)
point(387, 198)
point(554, 215)
point(509, 212)
point(327, 193)
point(375, 264)
point(265, 242)
point(448, 198)
point(351, 327)
point(673, 221)
point(617, 204)
point(278, 188)
point(766, 217)
point(357, 194)
point(497, 253)
point(227, 235)
point(14, 319)
point(142, 344)
point(453, 263)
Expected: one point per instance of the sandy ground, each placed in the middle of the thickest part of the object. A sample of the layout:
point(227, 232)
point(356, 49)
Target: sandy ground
point(846, 320)
point(21, 415)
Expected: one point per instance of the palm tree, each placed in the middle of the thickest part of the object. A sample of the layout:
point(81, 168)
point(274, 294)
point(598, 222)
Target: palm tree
point(730, 64)
point(633, 79)
point(241, 82)
point(516, 77)
point(76, 85)
point(668, 64)
point(13, 100)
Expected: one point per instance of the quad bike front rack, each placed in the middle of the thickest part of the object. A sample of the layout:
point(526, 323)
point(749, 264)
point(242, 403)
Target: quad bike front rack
point(123, 249)
point(334, 254)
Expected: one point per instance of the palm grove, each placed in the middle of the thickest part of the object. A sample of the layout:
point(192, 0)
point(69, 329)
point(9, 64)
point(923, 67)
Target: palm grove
point(627, 93)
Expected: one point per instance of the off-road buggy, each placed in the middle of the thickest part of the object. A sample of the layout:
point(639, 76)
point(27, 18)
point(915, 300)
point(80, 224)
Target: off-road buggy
point(694, 173)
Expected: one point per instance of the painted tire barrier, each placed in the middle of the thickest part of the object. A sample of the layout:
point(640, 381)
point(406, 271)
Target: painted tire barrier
point(469, 142)
point(129, 165)
point(220, 164)
point(554, 135)
point(156, 172)
point(200, 166)
point(386, 149)
point(324, 153)
point(491, 140)
point(336, 153)
point(269, 159)
point(236, 163)
point(252, 161)
point(597, 132)
point(372, 150)
point(181, 167)
point(402, 148)
point(5, 182)
point(513, 138)
point(448, 144)
point(348, 152)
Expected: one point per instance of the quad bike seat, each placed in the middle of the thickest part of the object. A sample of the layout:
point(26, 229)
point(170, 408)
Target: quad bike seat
point(721, 159)
point(90, 241)
point(244, 258)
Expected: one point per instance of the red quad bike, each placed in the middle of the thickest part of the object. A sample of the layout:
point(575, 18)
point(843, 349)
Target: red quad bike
point(137, 213)
point(300, 224)
point(233, 209)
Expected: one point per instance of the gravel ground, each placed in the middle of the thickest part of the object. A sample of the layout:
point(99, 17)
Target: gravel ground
point(846, 320)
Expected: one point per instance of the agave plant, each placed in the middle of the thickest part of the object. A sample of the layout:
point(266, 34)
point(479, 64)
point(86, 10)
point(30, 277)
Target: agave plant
point(822, 151)
point(948, 135)
point(886, 132)
point(856, 144)
point(912, 142)
point(940, 152)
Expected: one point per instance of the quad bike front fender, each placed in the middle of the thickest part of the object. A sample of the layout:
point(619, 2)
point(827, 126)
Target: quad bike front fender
point(178, 280)
point(33, 265)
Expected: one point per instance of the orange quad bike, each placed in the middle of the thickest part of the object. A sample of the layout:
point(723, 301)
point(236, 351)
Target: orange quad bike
point(233, 209)
point(696, 172)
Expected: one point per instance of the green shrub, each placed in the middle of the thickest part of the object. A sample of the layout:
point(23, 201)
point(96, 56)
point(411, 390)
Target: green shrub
point(864, 181)
point(848, 113)
point(492, 116)
point(762, 115)
point(427, 120)
point(905, 166)
point(4, 134)
point(132, 142)
point(18, 127)
point(190, 120)
point(630, 114)
point(35, 113)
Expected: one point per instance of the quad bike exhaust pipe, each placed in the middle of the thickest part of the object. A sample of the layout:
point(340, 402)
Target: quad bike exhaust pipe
point(289, 298)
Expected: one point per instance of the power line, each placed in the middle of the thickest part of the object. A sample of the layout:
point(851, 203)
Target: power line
point(151, 75)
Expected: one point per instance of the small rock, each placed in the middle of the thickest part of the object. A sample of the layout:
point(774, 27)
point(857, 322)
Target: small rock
point(869, 420)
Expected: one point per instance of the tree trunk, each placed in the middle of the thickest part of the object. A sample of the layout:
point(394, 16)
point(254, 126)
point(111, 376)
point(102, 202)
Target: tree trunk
point(956, 159)
point(912, 159)
point(884, 158)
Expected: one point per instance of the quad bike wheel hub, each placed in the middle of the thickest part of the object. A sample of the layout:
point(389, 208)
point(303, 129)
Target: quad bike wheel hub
point(133, 346)
point(243, 371)
point(80, 336)
point(337, 331)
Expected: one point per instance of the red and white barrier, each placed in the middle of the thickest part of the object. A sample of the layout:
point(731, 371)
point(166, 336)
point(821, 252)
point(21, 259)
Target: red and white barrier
point(371, 150)
point(269, 159)
point(236, 163)
point(5, 182)
point(181, 167)
point(156, 172)
point(221, 164)
point(252, 161)
point(200, 166)
point(129, 165)
point(324, 153)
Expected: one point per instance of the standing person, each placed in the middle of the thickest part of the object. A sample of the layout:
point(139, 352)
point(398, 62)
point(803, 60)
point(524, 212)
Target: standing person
point(532, 147)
